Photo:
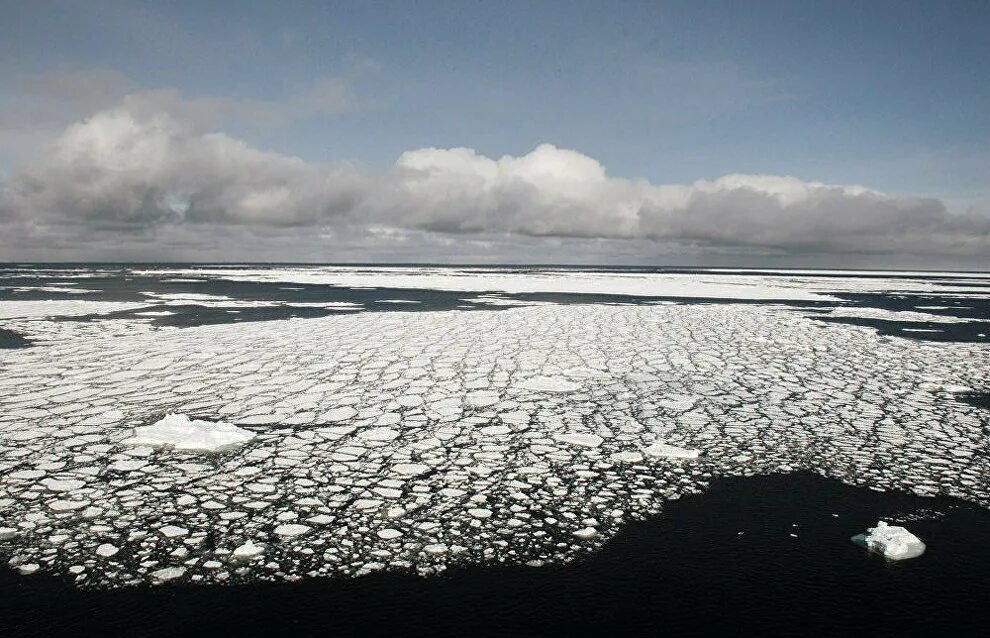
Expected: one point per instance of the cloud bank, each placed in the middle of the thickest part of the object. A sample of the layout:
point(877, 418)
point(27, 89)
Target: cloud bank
point(150, 167)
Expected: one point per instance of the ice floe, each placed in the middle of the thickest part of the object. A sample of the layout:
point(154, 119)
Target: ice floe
point(664, 450)
point(182, 433)
point(548, 384)
point(892, 541)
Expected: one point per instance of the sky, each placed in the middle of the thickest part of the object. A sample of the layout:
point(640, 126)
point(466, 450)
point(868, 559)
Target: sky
point(817, 134)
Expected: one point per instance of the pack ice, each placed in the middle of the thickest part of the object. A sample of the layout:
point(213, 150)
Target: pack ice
point(432, 440)
point(182, 433)
point(894, 542)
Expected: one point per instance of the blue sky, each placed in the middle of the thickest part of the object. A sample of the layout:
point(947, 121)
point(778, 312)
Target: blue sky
point(891, 95)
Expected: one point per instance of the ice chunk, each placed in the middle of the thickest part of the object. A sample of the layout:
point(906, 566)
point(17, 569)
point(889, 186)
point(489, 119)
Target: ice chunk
point(662, 450)
point(248, 551)
point(182, 433)
point(627, 457)
point(168, 573)
point(580, 440)
point(378, 434)
point(894, 542)
point(340, 414)
point(61, 505)
point(65, 485)
point(411, 469)
point(106, 550)
point(291, 529)
point(548, 384)
point(586, 533)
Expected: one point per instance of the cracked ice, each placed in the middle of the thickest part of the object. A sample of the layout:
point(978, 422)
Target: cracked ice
point(355, 443)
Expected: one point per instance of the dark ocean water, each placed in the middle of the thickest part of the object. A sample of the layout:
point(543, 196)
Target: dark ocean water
point(11, 339)
point(724, 561)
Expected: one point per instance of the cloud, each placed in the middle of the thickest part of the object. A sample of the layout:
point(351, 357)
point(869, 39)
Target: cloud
point(152, 167)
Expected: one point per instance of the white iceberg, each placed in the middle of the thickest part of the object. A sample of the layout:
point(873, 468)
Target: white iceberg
point(182, 433)
point(895, 543)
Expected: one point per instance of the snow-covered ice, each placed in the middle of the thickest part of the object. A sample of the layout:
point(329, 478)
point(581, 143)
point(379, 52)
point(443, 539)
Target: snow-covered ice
point(182, 433)
point(892, 541)
point(664, 450)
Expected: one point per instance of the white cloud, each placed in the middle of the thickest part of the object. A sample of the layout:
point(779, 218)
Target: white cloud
point(151, 163)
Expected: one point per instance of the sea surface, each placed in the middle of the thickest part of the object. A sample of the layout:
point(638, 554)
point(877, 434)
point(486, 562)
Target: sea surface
point(490, 450)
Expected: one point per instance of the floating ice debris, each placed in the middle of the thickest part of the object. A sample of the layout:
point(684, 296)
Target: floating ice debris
point(182, 433)
point(28, 568)
point(171, 531)
point(389, 534)
point(895, 543)
point(662, 450)
point(411, 469)
point(586, 533)
point(382, 434)
point(68, 485)
point(248, 550)
point(168, 573)
point(106, 550)
point(291, 529)
point(339, 414)
point(128, 465)
point(548, 384)
point(627, 457)
point(678, 403)
point(61, 505)
point(580, 440)
point(7, 532)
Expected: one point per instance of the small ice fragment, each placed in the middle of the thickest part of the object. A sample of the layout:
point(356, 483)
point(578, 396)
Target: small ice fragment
point(548, 384)
point(580, 440)
point(128, 465)
point(171, 531)
point(663, 450)
point(378, 434)
point(389, 534)
point(67, 506)
point(106, 550)
point(587, 533)
point(65, 485)
point(339, 414)
point(168, 573)
point(249, 550)
point(895, 543)
point(411, 469)
point(627, 457)
point(28, 568)
point(291, 529)
point(180, 432)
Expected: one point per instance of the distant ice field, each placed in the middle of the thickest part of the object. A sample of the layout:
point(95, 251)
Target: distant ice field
point(221, 424)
